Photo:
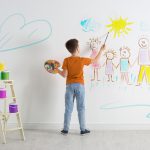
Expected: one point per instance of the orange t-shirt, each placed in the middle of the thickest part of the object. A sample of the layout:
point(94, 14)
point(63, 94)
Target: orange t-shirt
point(74, 66)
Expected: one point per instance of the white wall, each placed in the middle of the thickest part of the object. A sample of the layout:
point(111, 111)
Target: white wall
point(41, 95)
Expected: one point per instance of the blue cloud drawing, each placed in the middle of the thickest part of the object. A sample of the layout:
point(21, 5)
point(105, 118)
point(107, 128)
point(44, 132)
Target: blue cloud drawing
point(89, 24)
point(16, 33)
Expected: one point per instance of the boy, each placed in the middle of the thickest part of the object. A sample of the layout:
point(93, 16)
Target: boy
point(73, 70)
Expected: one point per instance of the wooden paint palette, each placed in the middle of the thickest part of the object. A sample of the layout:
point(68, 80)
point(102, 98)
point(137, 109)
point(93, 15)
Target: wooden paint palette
point(51, 66)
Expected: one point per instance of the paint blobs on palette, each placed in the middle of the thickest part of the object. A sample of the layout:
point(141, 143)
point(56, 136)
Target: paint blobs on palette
point(52, 66)
point(90, 25)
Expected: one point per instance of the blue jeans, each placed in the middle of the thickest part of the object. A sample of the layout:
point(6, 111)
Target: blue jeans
point(75, 90)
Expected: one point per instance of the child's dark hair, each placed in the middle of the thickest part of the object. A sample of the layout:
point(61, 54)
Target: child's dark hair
point(72, 45)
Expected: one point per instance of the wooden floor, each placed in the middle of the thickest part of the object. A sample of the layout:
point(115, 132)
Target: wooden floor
point(97, 140)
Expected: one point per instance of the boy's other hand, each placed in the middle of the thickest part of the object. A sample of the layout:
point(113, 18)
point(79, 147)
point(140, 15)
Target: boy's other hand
point(63, 72)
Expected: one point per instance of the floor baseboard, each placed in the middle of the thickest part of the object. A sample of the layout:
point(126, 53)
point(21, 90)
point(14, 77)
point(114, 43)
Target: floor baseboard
point(58, 126)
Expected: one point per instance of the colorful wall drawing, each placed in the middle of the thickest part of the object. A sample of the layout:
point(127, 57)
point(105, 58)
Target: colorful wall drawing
point(120, 27)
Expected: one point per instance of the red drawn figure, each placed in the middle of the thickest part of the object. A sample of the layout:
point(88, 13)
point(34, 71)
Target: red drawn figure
point(94, 44)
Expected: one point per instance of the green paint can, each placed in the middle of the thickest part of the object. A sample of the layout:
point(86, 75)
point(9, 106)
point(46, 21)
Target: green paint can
point(0, 76)
point(5, 75)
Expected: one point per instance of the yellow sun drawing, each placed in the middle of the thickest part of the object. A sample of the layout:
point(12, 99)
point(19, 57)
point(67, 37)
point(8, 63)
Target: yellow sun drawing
point(119, 26)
